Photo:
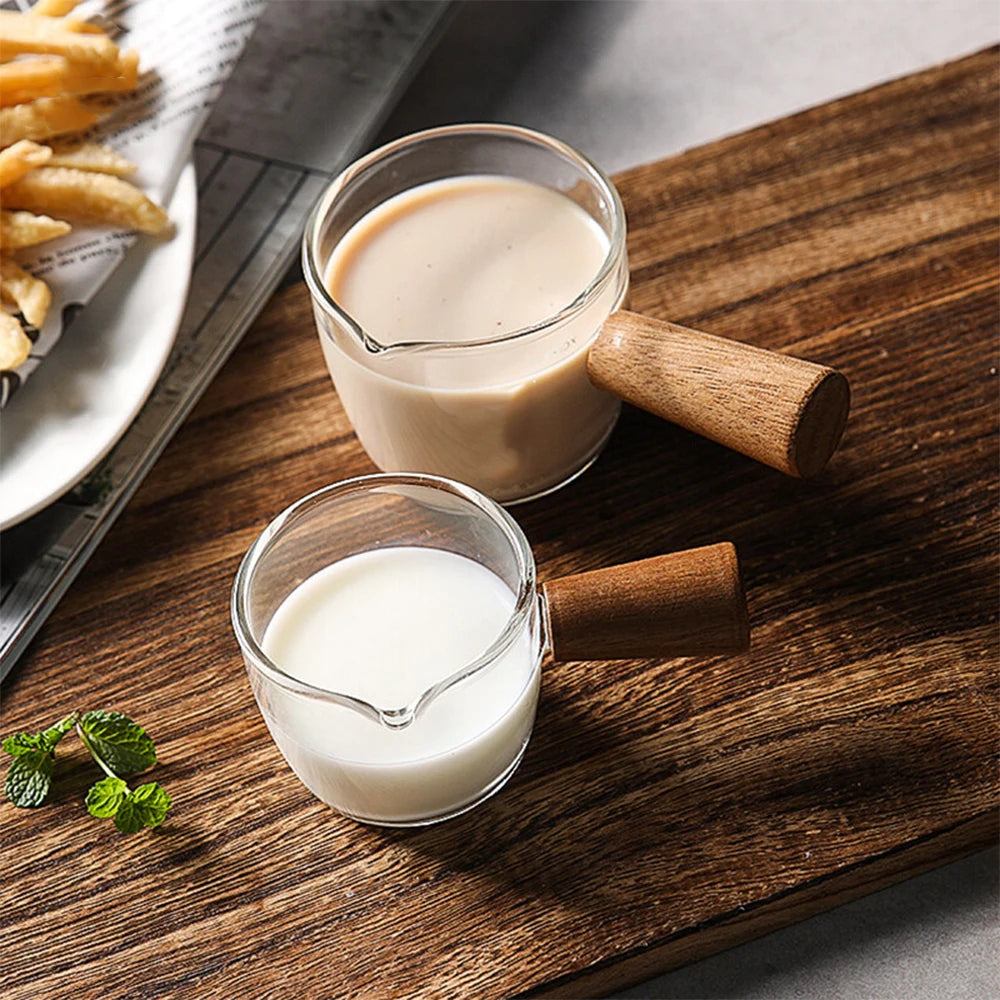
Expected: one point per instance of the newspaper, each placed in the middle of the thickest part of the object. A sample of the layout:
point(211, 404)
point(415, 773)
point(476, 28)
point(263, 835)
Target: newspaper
point(267, 151)
point(187, 49)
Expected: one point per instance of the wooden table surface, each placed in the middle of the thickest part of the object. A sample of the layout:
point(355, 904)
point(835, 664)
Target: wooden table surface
point(664, 810)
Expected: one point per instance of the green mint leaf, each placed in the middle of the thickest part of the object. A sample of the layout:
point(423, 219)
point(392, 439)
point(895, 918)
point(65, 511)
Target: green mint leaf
point(146, 806)
point(52, 736)
point(29, 777)
point(118, 741)
point(22, 743)
point(106, 797)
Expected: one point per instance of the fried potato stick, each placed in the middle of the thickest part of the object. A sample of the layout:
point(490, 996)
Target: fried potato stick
point(46, 117)
point(17, 160)
point(25, 80)
point(30, 294)
point(25, 229)
point(82, 194)
point(54, 8)
point(52, 36)
point(91, 156)
point(14, 343)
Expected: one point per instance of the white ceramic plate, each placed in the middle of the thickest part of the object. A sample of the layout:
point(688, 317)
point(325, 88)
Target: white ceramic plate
point(74, 408)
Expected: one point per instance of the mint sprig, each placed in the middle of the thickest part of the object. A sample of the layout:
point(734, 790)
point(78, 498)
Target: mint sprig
point(132, 810)
point(118, 741)
point(105, 798)
point(29, 777)
point(146, 806)
point(118, 745)
point(25, 742)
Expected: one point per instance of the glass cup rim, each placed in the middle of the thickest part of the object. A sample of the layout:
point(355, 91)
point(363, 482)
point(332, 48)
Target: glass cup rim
point(397, 716)
point(316, 281)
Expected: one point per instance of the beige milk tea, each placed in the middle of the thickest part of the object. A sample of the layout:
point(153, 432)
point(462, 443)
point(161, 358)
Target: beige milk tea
point(466, 283)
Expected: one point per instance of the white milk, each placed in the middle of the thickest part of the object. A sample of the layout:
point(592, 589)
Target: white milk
point(384, 626)
point(467, 259)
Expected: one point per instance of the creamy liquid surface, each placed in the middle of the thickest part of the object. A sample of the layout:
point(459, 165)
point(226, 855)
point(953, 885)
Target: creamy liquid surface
point(465, 258)
point(387, 624)
point(384, 626)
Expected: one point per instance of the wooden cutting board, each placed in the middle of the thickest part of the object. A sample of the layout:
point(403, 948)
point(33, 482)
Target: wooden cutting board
point(663, 810)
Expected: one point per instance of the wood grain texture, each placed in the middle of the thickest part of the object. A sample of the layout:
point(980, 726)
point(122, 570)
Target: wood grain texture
point(663, 810)
point(688, 603)
point(785, 412)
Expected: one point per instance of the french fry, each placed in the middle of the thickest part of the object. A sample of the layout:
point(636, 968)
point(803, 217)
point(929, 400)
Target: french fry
point(77, 24)
point(91, 156)
point(24, 80)
point(14, 343)
point(17, 160)
point(48, 61)
point(25, 229)
point(30, 294)
point(52, 36)
point(46, 117)
point(88, 196)
point(54, 8)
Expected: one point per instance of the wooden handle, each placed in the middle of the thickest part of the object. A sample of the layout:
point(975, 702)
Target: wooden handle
point(683, 604)
point(782, 411)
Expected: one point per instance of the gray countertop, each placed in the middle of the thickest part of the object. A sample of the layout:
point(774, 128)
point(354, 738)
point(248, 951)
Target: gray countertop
point(629, 82)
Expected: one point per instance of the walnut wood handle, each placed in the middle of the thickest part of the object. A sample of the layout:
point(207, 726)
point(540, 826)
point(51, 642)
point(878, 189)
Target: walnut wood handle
point(684, 604)
point(782, 411)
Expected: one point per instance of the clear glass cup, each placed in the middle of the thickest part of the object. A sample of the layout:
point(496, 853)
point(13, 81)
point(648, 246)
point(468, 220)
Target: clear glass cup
point(486, 412)
point(319, 730)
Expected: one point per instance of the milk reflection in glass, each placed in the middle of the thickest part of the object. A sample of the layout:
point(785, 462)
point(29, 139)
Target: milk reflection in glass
point(470, 259)
point(385, 626)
